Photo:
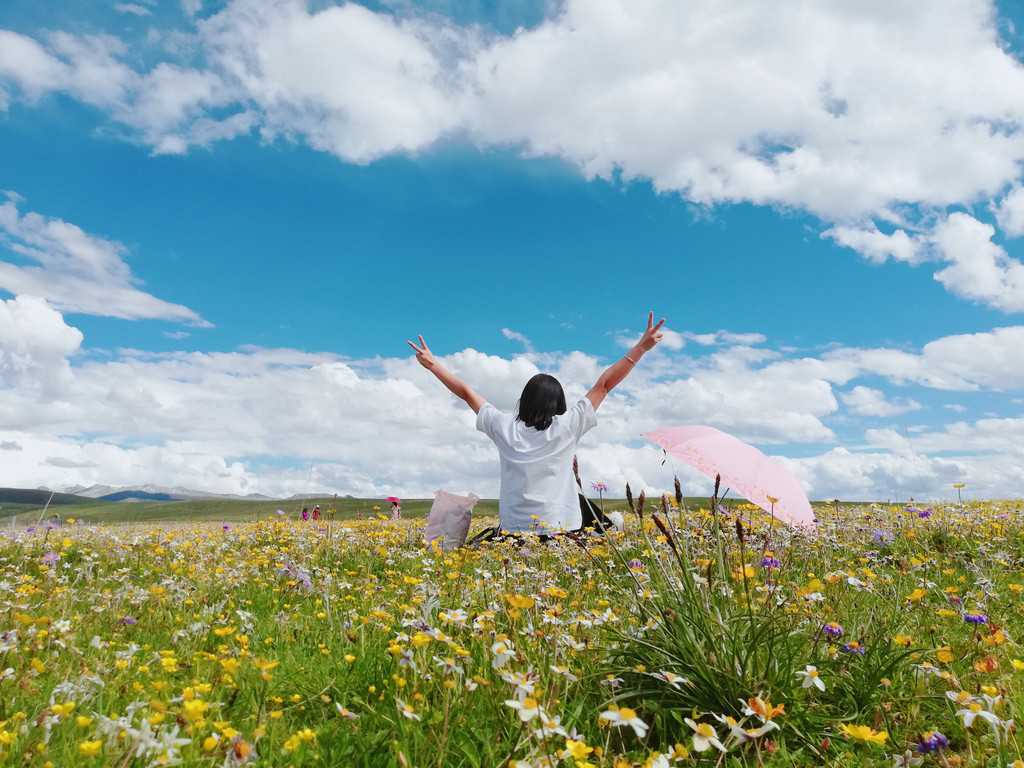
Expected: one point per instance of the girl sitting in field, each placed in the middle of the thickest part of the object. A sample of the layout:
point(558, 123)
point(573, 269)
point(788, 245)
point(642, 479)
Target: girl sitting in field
point(536, 445)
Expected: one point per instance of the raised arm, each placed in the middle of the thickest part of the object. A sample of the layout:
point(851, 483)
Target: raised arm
point(621, 368)
point(455, 385)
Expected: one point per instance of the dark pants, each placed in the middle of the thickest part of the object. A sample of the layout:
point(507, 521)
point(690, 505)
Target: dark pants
point(593, 518)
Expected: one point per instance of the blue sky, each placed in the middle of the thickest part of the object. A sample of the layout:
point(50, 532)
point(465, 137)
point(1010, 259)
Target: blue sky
point(220, 222)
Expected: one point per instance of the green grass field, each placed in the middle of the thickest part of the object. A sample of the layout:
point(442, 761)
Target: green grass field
point(228, 510)
point(14, 510)
point(215, 510)
point(693, 638)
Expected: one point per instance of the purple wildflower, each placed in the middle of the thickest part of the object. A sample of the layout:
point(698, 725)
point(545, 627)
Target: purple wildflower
point(49, 557)
point(976, 618)
point(293, 571)
point(932, 741)
point(128, 621)
point(853, 647)
point(925, 512)
point(833, 628)
point(881, 536)
point(635, 564)
point(226, 527)
point(771, 562)
point(30, 529)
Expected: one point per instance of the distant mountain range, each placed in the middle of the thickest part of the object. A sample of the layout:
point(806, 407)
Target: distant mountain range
point(81, 494)
point(151, 493)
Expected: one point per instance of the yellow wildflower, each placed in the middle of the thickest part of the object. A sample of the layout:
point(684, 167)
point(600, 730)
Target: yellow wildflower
point(90, 748)
point(864, 733)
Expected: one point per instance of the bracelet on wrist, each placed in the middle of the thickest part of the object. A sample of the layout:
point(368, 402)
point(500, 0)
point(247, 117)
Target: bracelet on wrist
point(630, 359)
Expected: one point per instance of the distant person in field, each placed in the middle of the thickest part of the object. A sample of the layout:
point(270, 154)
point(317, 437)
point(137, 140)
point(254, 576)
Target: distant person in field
point(537, 444)
point(305, 513)
point(396, 511)
point(316, 512)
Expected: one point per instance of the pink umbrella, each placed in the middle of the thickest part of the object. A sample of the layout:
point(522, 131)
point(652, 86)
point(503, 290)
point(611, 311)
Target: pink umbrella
point(742, 467)
point(393, 500)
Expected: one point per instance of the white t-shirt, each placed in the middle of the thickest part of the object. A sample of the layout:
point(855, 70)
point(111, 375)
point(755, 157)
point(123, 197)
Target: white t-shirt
point(536, 468)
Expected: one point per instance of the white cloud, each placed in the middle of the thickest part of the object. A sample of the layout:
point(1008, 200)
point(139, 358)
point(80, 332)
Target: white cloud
point(980, 269)
point(346, 80)
point(1010, 212)
point(990, 436)
point(859, 113)
point(92, 69)
point(27, 64)
point(76, 272)
point(217, 421)
point(840, 114)
point(133, 9)
point(898, 475)
point(516, 336)
point(34, 346)
point(865, 401)
point(851, 112)
point(877, 246)
point(63, 463)
point(963, 362)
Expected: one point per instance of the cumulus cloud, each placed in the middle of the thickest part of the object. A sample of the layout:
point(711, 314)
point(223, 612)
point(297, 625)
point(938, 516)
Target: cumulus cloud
point(225, 422)
point(860, 114)
point(865, 401)
point(797, 117)
point(346, 80)
point(881, 475)
point(1010, 212)
point(877, 246)
point(166, 107)
point(75, 271)
point(27, 64)
point(988, 436)
point(35, 344)
point(979, 270)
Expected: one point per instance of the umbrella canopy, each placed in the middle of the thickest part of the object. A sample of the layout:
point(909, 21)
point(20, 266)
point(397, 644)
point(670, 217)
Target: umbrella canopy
point(741, 466)
point(393, 500)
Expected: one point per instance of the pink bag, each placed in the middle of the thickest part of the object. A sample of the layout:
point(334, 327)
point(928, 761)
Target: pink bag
point(448, 523)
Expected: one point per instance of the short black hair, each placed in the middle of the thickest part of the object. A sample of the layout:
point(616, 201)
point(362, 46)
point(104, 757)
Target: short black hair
point(541, 401)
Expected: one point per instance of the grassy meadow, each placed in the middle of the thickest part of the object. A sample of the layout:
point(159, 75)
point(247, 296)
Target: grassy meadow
point(97, 511)
point(700, 635)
